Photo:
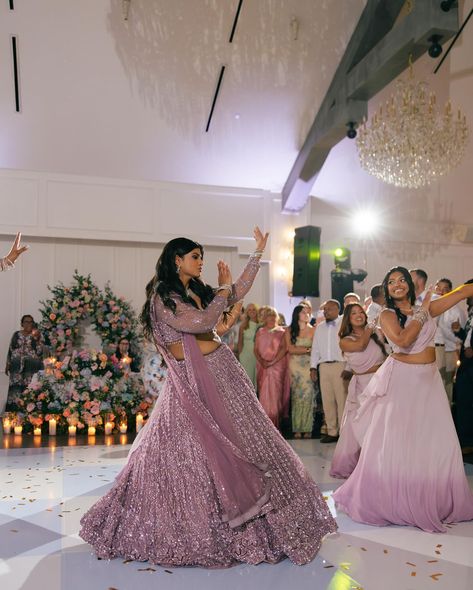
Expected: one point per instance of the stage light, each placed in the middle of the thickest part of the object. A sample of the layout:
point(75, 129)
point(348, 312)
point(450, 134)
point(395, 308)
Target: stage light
point(366, 222)
point(342, 258)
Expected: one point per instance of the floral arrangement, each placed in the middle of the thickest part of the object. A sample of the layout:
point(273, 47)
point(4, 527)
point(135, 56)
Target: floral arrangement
point(83, 389)
point(115, 319)
point(112, 317)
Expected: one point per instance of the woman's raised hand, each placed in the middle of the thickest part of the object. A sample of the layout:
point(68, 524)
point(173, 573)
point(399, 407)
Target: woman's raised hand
point(260, 239)
point(16, 249)
point(224, 274)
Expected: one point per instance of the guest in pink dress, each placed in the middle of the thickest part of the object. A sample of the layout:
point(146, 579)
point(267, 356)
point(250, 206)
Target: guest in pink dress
point(209, 481)
point(364, 353)
point(272, 368)
point(410, 470)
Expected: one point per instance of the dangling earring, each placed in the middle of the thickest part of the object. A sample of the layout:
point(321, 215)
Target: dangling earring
point(178, 268)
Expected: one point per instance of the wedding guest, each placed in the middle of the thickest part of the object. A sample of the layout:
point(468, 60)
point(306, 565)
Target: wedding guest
point(8, 261)
point(299, 336)
point(211, 482)
point(272, 374)
point(364, 352)
point(463, 388)
point(246, 341)
point(410, 470)
point(377, 303)
point(124, 357)
point(24, 359)
point(229, 327)
point(308, 304)
point(446, 342)
point(351, 298)
point(261, 313)
point(419, 278)
point(326, 356)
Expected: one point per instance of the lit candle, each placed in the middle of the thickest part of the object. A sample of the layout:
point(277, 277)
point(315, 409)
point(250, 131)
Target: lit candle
point(6, 426)
point(139, 422)
point(52, 427)
point(72, 430)
point(123, 427)
point(108, 427)
point(37, 431)
point(91, 431)
point(18, 429)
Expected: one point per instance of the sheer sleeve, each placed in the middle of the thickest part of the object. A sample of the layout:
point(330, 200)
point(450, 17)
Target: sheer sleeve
point(187, 318)
point(244, 282)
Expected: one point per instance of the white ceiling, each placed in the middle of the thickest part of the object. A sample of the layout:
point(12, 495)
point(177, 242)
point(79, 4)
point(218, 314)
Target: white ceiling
point(105, 97)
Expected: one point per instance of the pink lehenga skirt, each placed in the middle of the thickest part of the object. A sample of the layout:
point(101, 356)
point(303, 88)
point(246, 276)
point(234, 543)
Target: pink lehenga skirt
point(347, 451)
point(410, 470)
point(163, 506)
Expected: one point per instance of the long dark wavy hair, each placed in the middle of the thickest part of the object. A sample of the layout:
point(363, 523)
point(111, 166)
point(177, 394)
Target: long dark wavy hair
point(294, 327)
point(402, 318)
point(346, 328)
point(166, 281)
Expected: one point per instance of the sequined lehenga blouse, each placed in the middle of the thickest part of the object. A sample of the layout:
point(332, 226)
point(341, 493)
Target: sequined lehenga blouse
point(211, 482)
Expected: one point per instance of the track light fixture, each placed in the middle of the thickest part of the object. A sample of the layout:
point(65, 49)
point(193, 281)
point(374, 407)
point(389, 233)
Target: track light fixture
point(351, 131)
point(435, 49)
point(447, 4)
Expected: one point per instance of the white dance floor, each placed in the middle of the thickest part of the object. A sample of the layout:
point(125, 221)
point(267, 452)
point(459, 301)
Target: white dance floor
point(45, 491)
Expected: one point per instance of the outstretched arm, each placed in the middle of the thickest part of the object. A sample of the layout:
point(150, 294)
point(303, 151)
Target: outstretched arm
point(447, 301)
point(189, 319)
point(244, 282)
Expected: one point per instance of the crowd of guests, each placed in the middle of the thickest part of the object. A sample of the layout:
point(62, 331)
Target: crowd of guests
point(313, 370)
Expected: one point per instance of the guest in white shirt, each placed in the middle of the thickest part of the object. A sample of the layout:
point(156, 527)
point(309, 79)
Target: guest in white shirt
point(377, 303)
point(419, 278)
point(446, 342)
point(327, 357)
point(351, 298)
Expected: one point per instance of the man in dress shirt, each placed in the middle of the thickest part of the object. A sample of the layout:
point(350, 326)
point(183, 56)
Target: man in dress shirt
point(419, 278)
point(446, 342)
point(464, 383)
point(377, 303)
point(327, 357)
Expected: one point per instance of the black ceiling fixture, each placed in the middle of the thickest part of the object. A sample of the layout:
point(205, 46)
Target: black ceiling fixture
point(435, 49)
point(447, 4)
point(351, 131)
point(454, 39)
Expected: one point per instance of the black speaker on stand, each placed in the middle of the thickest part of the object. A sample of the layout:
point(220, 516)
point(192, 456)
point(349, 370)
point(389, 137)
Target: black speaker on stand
point(305, 280)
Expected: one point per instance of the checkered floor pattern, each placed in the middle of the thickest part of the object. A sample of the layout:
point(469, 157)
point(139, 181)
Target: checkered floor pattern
point(45, 491)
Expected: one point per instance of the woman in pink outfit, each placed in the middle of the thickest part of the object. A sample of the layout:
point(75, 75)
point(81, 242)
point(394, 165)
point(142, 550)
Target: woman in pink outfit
point(410, 470)
point(364, 353)
point(209, 481)
point(272, 368)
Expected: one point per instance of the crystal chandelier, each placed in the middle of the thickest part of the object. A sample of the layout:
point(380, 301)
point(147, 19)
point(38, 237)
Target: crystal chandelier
point(408, 142)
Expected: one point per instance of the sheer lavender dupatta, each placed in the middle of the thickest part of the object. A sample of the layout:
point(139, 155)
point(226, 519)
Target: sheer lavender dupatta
point(243, 488)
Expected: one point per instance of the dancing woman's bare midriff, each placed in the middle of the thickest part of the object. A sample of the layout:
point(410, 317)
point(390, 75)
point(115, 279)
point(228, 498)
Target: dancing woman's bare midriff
point(425, 357)
point(207, 343)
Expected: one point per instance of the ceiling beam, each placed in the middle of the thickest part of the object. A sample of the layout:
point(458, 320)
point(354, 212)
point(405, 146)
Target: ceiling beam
point(376, 54)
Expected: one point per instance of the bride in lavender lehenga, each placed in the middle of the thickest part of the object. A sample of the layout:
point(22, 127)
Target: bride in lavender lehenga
point(210, 482)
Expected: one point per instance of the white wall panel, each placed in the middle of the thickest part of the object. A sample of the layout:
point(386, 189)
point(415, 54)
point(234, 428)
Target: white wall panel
point(104, 208)
point(22, 195)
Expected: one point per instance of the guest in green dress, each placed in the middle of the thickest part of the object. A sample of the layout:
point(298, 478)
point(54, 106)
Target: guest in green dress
point(246, 341)
point(299, 337)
